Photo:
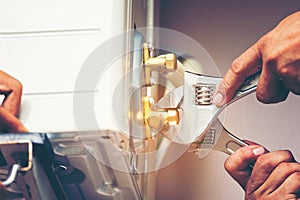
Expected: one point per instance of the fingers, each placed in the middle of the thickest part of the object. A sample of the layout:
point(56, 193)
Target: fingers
point(9, 123)
point(242, 67)
point(276, 175)
point(11, 88)
point(263, 167)
point(277, 55)
point(290, 188)
point(290, 75)
point(285, 178)
point(12, 102)
point(270, 88)
point(238, 165)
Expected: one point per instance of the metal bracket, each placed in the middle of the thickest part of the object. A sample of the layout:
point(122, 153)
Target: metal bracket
point(30, 150)
point(17, 167)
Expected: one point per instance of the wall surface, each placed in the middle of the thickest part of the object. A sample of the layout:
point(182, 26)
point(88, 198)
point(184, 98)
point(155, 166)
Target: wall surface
point(226, 29)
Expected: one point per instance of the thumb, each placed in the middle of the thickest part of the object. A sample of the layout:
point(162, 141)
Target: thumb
point(238, 165)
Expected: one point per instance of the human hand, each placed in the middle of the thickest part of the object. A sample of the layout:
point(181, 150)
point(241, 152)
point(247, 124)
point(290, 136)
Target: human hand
point(275, 175)
point(11, 88)
point(277, 55)
point(10, 123)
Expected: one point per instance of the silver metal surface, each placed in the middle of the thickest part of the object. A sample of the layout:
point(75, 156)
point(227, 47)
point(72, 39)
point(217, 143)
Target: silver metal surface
point(217, 138)
point(197, 119)
point(91, 152)
point(199, 113)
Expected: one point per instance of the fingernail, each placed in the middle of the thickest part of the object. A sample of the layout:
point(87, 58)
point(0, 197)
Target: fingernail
point(258, 151)
point(218, 99)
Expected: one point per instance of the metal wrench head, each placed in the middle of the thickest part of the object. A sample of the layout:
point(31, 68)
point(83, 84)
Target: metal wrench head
point(199, 112)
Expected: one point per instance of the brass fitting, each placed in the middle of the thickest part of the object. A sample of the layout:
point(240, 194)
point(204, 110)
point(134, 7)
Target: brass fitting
point(167, 116)
point(164, 63)
point(171, 62)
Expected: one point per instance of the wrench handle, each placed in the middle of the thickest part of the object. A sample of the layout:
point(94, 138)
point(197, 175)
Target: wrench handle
point(228, 143)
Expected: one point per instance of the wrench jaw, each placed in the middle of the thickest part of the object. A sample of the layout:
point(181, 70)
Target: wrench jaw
point(198, 110)
point(166, 114)
point(194, 123)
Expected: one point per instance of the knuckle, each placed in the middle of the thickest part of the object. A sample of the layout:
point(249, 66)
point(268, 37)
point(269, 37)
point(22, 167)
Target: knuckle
point(236, 67)
point(282, 70)
point(281, 156)
point(270, 57)
point(287, 155)
point(296, 177)
point(231, 163)
point(271, 160)
point(288, 73)
point(235, 75)
point(285, 166)
point(228, 87)
point(266, 39)
point(18, 85)
point(291, 78)
point(264, 161)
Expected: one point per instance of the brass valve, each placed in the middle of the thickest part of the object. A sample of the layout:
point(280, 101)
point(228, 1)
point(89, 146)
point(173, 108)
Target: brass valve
point(167, 116)
point(164, 63)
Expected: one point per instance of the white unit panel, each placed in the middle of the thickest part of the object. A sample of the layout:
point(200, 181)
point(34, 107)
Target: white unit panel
point(42, 15)
point(46, 64)
point(45, 43)
point(48, 113)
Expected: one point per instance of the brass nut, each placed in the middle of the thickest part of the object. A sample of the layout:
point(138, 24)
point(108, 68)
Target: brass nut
point(171, 62)
point(173, 117)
